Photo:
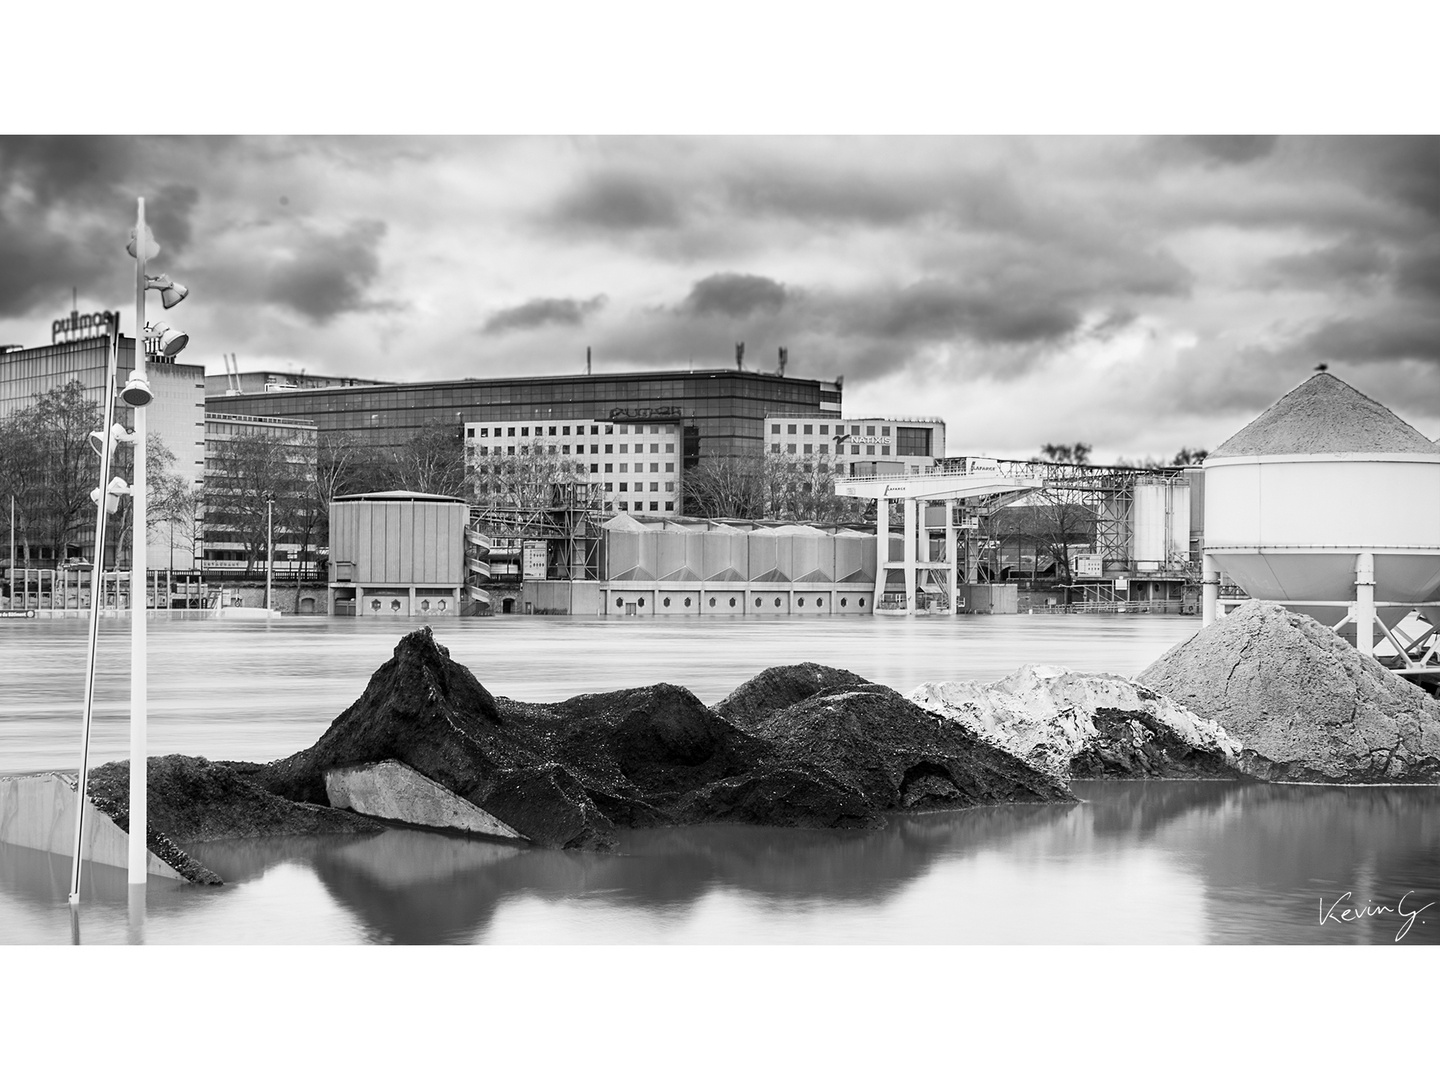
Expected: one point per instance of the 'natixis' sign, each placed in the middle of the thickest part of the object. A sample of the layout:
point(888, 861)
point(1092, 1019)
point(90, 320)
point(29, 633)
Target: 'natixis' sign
point(82, 327)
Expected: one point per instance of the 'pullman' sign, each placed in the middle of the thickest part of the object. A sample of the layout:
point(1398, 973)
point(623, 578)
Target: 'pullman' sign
point(82, 327)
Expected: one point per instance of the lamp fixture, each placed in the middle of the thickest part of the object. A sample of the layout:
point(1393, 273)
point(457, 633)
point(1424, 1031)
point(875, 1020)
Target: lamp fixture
point(171, 292)
point(170, 341)
point(118, 435)
point(113, 492)
point(137, 392)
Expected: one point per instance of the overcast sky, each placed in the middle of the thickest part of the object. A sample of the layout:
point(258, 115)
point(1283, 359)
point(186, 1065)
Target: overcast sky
point(1138, 294)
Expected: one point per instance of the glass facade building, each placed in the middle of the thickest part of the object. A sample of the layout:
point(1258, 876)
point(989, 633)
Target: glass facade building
point(721, 413)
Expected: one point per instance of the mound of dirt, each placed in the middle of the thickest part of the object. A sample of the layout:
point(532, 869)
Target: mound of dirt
point(190, 799)
point(1086, 726)
point(1304, 703)
point(804, 746)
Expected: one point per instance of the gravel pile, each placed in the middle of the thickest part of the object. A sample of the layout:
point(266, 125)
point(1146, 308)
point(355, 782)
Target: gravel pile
point(1324, 416)
point(1305, 705)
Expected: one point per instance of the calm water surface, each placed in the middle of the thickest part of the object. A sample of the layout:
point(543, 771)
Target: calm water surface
point(1133, 863)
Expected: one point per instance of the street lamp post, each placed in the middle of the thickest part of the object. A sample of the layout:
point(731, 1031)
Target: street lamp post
point(269, 547)
point(137, 394)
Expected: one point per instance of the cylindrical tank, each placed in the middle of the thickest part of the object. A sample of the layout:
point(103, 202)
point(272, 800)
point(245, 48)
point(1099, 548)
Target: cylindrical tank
point(1160, 522)
point(1320, 477)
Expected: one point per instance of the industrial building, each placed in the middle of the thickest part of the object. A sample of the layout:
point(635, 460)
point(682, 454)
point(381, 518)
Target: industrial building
point(394, 554)
point(1329, 503)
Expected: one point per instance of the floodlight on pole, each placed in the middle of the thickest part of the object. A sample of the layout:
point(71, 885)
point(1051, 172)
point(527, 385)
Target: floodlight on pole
point(118, 435)
point(137, 393)
point(168, 342)
point(171, 292)
point(113, 492)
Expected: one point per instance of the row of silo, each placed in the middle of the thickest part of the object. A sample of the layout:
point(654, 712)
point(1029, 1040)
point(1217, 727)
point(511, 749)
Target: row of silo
point(715, 552)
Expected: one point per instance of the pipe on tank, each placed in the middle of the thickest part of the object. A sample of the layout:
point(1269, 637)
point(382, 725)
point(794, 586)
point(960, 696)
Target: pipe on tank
point(1364, 610)
point(1209, 589)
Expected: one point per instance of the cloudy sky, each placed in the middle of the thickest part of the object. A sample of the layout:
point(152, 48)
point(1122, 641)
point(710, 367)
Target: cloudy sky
point(1136, 293)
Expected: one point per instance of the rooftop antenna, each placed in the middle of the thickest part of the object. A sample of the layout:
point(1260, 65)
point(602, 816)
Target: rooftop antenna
point(784, 359)
point(587, 359)
point(739, 356)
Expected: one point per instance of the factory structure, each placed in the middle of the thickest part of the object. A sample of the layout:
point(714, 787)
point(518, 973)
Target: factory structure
point(574, 501)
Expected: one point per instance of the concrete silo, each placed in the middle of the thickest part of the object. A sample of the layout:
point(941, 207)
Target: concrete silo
point(1328, 503)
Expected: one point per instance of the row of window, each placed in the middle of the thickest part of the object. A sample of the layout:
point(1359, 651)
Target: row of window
point(609, 486)
point(824, 449)
point(564, 429)
point(486, 467)
point(759, 602)
point(564, 448)
point(825, 429)
point(623, 505)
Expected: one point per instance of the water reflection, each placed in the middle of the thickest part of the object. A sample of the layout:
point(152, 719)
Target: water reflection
point(1140, 862)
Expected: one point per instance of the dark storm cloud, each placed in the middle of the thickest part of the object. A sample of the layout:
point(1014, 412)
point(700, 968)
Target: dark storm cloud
point(324, 276)
point(1230, 149)
point(39, 268)
point(543, 312)
point(53, 169)
point(1418, 271)
point(935, 310)
point(168, 216)
point(1404, 168)
point(1391, 335)
point(1356, 261)
point(734, 295)
point(611, 200)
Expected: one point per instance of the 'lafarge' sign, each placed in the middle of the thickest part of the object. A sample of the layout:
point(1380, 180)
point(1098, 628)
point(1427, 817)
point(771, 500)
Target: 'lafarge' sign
point(83, 327)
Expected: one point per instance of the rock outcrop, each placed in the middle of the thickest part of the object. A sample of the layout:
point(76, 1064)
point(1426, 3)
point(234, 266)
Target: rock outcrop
point(1086, 726)
point(1306, 705)
point(806, 746)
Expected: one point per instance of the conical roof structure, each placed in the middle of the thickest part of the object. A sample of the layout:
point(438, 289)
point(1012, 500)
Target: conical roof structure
point(1324, 415)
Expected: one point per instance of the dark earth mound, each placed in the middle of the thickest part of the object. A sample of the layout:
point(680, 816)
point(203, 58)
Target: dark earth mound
point(1159, 753)
point(804, 746)
point(190, 799)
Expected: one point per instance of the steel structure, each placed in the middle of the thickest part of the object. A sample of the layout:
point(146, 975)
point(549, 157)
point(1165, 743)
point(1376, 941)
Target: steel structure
point(566, 516)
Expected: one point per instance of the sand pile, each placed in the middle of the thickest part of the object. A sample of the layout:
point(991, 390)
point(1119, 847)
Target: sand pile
point(1086, 726)
point(1304, 703)
point(1324, 416)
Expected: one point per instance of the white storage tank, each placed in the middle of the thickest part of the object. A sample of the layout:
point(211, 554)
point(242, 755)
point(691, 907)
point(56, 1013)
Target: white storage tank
point(1160, 532)
point(1320, 478)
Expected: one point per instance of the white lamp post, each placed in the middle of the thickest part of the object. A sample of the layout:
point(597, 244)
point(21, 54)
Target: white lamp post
point(137, 394)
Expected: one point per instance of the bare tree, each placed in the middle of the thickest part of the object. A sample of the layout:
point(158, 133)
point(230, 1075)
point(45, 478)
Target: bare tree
point(254, 467)
point(433, 461)
point(49, 466)
point(726, 487)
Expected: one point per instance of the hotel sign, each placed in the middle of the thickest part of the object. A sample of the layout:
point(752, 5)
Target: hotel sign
point(83, 327)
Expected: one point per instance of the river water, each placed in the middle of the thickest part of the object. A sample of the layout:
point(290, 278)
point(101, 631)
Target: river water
point(1136, 862)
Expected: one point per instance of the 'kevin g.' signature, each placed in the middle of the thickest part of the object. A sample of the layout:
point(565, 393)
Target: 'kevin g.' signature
point(1335, 913)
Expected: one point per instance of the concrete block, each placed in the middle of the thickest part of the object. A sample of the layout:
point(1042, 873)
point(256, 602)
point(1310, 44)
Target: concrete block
point(38, 812)
point(395, 792)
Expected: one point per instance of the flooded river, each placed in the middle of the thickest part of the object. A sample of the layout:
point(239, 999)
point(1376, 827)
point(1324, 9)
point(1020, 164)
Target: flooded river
point(1140, 862)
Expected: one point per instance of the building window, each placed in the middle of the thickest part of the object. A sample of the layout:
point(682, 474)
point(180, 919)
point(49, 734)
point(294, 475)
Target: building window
point(667, 601)
point(609, 466)
point(843, 601)
point(609, 487)
point(774, 448)
point(884, 451)
point(712, 601)
point(624, 467)
point(758, 601)
point(807, 430)
point(809, 448)
point(594, 429)
point(594, 466)
point(654, 466)
point(789, 429)
point(870, 429)
point(594, 448)
point(609, 448)
point(624, 448)
point(732, 601)
point(485, 432)
point(510, 432)
point(654, 448)
point(854, 449)
point(654, 486)
point(470, 432)
point(790, 448)
point(551, 431)
point(824, 429)
point(524, 432)
point(774, 429)
point(619, 601)
point(799, 602)
point(824, 448)
point(687, 601)
point(670, 485)
point(654, 506)
point(669, 506)
point(870, 449)
point(669, 448)
point(609, 430)
point(885, 431)
point(623, 485)
point(624, 505)
point(565, 430)
point(669, 466)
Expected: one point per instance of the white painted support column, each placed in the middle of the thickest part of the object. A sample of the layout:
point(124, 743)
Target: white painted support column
point(882, 548)
point(908, 553)
point(1364, 609)
point(1209, 590)
point(951, 557)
